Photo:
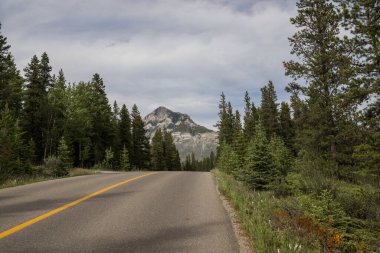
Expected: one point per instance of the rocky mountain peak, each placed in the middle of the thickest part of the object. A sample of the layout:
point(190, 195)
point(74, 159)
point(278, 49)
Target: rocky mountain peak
point(188, 136)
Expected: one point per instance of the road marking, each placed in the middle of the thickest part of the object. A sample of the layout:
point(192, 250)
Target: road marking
point(60, 209)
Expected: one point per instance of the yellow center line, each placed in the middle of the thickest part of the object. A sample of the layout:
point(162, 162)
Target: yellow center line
point(60, 209)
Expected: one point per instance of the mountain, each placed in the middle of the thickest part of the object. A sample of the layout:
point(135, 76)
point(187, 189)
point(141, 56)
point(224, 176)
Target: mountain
point(188, 136)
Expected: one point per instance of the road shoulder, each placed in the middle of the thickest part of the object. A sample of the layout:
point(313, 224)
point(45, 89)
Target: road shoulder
point(240, 233)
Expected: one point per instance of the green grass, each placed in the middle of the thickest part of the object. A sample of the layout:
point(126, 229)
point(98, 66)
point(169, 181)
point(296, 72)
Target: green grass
point(44, 177)
point(255, 210)
point(345, 220)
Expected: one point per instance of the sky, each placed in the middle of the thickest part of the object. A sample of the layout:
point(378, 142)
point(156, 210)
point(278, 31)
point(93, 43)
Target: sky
point(176, 53)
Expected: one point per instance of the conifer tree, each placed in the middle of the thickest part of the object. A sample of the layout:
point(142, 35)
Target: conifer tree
point(109, 158)
point(34, 120)
point(65, 157)
point(228, 160)
point(239, 141)
point(78, 124)
point(286, 125)
point(320, 72)
point(12, 161)
point(101, 114)
point(226, 121)
point(140, 142)
point(282, 159)
point(361, 18)
point(115, 134)
point(268, 110)
point(124, 160)
point(10, 79)
point(259, 170)
point(125, 128)
point(57, 98)
point(170, 151)
point(249, 117)
point(157, 153)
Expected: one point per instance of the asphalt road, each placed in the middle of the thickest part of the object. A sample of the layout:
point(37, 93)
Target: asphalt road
point(163, 212)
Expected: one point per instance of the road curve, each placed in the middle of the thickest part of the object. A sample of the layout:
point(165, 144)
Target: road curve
point(163, 212)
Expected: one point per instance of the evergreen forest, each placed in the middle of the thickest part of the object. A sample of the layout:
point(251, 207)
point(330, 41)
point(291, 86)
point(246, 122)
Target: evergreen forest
point(310, 167)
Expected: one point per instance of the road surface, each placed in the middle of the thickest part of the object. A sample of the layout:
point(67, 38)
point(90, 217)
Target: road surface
point(162, 212)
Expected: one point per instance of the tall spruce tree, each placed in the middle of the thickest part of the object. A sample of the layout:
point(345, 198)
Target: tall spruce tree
point(157, 151)
point(34, 117)
point(269, 111)
point(10, 79)
point(124, 160)
point(115, 134)
point(57, 106)
point(222, 123)
point(101, 118)
point(140, 142)
point(259, 170)
point(321, 70)
point(64, 156)
point(361, 18)
point(125, 134)
point(78, 124)
point(286, 125)
point(249, 117)
point(239, 141)
point(12, 160)
point(170, 152)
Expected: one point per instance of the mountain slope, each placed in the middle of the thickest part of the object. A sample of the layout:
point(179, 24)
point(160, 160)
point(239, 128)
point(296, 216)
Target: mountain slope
point(188, 136)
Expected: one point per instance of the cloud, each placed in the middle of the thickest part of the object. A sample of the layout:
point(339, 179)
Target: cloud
point(177, 53)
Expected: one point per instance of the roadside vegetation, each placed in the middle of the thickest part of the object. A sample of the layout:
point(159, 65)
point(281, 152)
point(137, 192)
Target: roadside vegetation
point(43, 174)
point(304, 176)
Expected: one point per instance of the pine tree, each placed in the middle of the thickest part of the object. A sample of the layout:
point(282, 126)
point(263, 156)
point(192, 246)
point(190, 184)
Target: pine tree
point(361, 18)
point(249, 117)
point(124, 160)
point(78, 124)
point(187, 164)
point(282, 159)
point(10, 79)
point(222, 123)
point(140, 142)
point(259, 170)
point(170, 151)
point(177, 161)
point(321, 69)
point(34, 117)
point(125, 128)
point(115, 134)
point(193, 162)
point(109, 159)
point(65, 157)
point(12, 162)
point(157, 151)
point(239, 141)
point(268, 110)
point(228, 160)
point(101, 114)
point(57, 98)
point(286, 125)
point(212, 160)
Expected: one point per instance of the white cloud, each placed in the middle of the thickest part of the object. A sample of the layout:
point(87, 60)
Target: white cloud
point(177, 53)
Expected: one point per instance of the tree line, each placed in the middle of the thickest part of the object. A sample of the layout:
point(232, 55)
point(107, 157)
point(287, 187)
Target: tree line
point(334, 105)
point(47, 121)
point(205, 164)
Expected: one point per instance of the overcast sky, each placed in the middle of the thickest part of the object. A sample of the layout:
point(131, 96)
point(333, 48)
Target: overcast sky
point(177, 53)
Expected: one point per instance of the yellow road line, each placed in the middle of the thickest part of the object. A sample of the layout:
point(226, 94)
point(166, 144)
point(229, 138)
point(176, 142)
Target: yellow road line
point(60, 209)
